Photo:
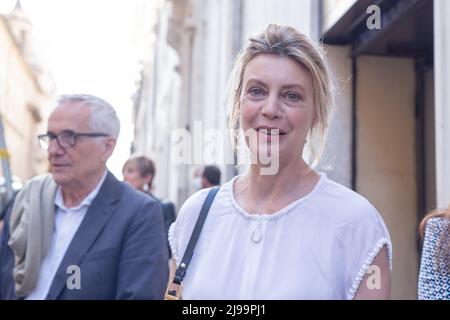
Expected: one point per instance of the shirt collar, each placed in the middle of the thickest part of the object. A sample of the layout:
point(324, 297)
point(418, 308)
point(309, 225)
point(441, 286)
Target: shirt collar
point(86, 201)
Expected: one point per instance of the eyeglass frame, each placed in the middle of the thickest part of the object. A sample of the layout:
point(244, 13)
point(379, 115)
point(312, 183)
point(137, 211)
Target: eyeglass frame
point(51, 136)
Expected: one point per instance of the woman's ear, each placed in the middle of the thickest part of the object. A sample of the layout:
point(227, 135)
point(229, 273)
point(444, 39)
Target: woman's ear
point(315, 121)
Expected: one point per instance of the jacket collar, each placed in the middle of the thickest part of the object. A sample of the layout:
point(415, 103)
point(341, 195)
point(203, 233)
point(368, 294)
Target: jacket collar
point(98, 214)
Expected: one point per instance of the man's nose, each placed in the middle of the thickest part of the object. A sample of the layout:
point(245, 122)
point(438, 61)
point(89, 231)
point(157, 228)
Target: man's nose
point(271, 107)
point(54, 148)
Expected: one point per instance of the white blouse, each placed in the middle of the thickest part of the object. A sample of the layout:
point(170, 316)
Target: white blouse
point(318, 247)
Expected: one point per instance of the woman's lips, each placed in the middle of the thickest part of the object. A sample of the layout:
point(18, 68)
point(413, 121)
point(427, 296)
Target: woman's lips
point(270, 132)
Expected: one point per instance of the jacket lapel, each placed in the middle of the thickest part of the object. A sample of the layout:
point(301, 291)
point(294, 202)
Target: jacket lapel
point(93, 223)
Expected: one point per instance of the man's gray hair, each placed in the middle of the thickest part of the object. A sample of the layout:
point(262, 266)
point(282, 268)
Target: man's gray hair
point(103, 116)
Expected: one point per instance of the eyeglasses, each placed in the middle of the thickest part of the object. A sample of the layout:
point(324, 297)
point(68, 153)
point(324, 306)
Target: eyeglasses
point(65, 139)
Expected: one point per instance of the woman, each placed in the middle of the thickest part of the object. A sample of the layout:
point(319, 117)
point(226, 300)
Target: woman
point(291, 233)
point(139, 171)
point(434, 276)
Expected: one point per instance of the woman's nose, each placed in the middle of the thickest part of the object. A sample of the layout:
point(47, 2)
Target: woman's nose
point(271, 107)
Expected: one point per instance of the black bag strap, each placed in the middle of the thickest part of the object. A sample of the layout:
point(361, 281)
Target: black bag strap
point(181, 270)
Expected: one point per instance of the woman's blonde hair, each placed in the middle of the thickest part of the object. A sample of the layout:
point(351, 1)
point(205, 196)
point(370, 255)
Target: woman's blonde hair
point(286, 41)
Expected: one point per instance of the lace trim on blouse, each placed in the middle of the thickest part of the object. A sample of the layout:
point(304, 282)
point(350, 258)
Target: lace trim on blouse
point(172, 243)
point(277, 214)
point(362, 272)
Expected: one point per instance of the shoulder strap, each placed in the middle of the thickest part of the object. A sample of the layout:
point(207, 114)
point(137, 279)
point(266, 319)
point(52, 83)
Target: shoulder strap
point(181, 270)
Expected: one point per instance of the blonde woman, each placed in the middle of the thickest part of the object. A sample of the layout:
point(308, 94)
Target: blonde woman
point(291, 233)
point(434, 276)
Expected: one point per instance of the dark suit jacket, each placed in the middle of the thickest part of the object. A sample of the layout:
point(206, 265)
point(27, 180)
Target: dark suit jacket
point(120, 249)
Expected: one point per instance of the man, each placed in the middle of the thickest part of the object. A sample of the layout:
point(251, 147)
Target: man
point(206, 177)
point(79, 233)
point(210, 176)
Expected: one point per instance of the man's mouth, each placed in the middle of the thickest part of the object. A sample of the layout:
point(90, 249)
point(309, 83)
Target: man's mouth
point(59, 165)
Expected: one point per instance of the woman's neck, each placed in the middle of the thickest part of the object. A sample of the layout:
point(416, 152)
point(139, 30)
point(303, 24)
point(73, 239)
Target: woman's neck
point(268, 193)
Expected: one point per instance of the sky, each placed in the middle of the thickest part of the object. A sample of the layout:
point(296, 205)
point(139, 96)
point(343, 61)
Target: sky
point(93, 46)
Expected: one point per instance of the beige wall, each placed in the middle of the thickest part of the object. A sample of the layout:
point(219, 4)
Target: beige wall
point(19, 94)
point(386, 158)
point(337, 158)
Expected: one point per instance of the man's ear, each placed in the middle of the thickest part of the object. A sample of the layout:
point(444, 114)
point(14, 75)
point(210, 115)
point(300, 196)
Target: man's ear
point(148, 179)
point(109, 145)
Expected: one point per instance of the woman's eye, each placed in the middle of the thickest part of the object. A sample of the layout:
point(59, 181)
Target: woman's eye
point(293, 97)
point(256, 92)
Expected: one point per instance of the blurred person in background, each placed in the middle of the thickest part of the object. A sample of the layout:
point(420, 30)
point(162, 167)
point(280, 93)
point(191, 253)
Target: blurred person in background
point(434, 275)
point(206, 177)
point(6, 203)
point(197, 182)
point(210, 176)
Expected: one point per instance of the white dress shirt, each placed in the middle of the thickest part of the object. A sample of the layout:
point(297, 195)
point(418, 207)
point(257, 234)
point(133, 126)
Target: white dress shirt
point(67, 221)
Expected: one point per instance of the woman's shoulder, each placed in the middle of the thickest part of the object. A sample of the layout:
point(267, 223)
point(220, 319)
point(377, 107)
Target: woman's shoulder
point(181, 230)
point(440, 223)
point(190, 210)
point(437, 227)
point(343, 203)
point(191, 207)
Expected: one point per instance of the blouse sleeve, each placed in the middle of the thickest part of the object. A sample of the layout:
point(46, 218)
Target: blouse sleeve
point(434, 275)
point(359, 241)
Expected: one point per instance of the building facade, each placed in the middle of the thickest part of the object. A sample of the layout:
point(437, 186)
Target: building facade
point(26, 89)
point(182, 90)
